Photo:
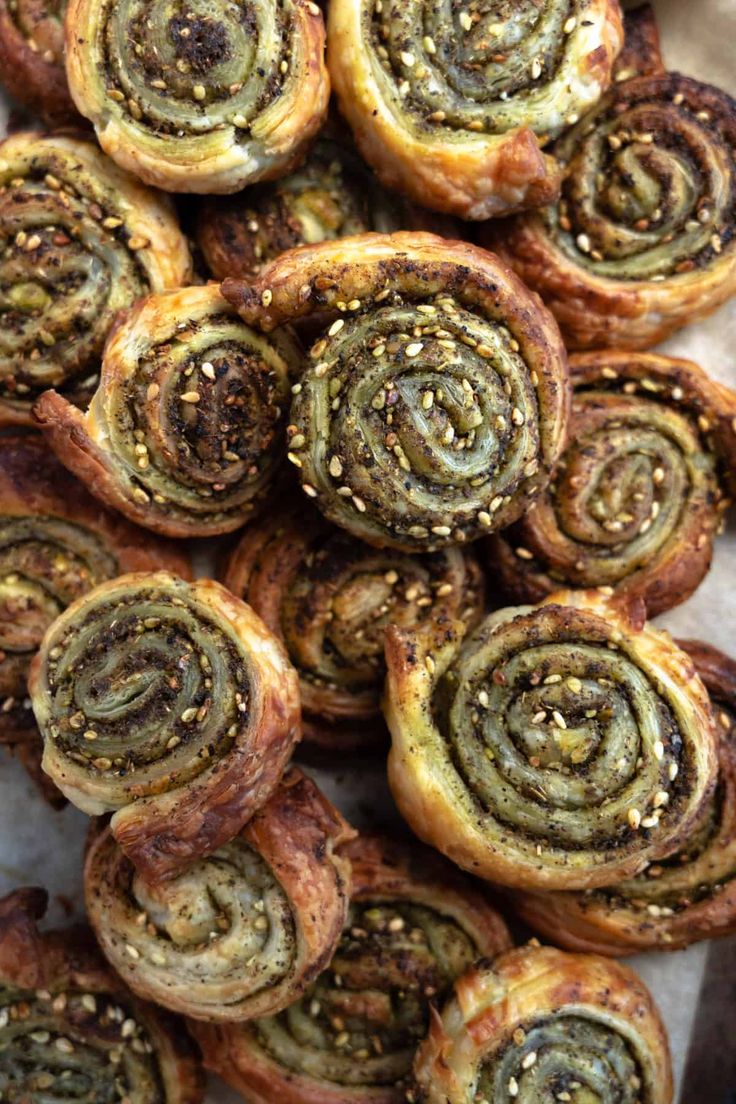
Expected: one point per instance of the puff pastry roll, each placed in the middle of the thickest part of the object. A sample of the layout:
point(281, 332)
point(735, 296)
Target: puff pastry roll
point(540, 1025)
point(80, 240)
point(199, 98)
point(434, 406)
point(239, 934)
point(184, 433)
point(329, 597)
point(685, 897)
point(641, 241)
point(170, 705)
point(332, 195)
point(69, 1030)
point(452, 105)
point(415, 925)
point(31, 57)
point(561, 746)
point(56, 543)
point(641, 490)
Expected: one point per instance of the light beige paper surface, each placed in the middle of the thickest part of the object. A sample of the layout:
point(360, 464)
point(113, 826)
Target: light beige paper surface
point(38, 846)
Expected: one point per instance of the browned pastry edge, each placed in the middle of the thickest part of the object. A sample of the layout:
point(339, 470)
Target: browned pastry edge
point(56, 961)
point(383, 869)
point(36, 80)
point(641, 55)
point(265, 568)
point(34, 483)
point(606, 924)
point(163, 827)
point(532, 558)
point(299, 835)
point(500, 1011)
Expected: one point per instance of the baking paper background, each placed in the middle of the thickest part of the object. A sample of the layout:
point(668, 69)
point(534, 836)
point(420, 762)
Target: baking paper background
point(41, 847)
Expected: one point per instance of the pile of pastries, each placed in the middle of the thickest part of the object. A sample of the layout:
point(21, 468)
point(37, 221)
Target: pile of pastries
point(384, 364)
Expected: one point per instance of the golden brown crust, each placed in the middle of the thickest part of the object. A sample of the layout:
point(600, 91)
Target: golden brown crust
point(241, 934)
point(622, 266)
point(170, 705)
point(641, 55)
point(184, 433)
point(60, 999)
point(639, 495)
point(561, 746)
point(209, 102)
point(438, 113)
point(415, 923)
point(56, 542)
point(435, 406)
point(329, 598)
point(538, 1023)
point(31, 58)
point(333, 194)
point(685, 898)
point(83, 240)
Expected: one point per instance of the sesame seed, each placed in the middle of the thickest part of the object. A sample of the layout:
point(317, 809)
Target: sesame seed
point(190, 397)
point(575, 685)
point(583, 243)
point(267, 297)
point(517, 417)
point(524, 554)
point(483, 699)
point(569, 25)
point(634, 818)
point(441, 530)
point(559, 719)
point(465, 21)
point(131, 950)
point(484, 518)
point(430, 664)
point(335, 467)
point(658, 749)
point(661, 798)
point(413, 349)
point(536, 69)
point(529, 1059)
point(239, 120)
point(513, 1087)
point(309, 490)
point(673, 771)
point(336, 326)
point(539, 717)
point(199, 91)
point(407, 58)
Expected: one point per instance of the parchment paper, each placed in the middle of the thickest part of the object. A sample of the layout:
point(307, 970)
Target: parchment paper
point(38, 846)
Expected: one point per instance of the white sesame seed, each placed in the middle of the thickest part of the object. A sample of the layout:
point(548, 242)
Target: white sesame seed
point(336, 326)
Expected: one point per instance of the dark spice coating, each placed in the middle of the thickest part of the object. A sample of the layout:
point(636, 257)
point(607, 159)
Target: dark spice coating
point(640, 493)
point(686, 897)
point(414, 923)
point(56, 543)
point(60, 998)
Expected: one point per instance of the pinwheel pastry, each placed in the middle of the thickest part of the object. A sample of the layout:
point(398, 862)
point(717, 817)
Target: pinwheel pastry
point(56, 543)
point(688, 896)
point(197, 97)
point(332, 195)
point(69, 1029)
point(31, 57)
point(184, 433)
point(239, 934)
point(415, 925)
point(560, 746)
point(452, 104)
point(329, 597)
point(79, 241)
point(540, 1025)
point(641, 241)
point(170, 705)
point(434, 406)
point(639, 494)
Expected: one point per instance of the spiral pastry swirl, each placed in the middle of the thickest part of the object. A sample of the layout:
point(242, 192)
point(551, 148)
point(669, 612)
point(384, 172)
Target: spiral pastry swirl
point(332, 195)
point(170, 705)
point(202, 95)
point(79, 241)
point(31, 57)
point(237, 935)
point(638, 495)
point(540, 1025)
point(414, 926)
point(641, 242)
point(560, 746)
point(452, 104)
point(686, 897)
point(70, 1031)
point(56, 543)
point(184, 434)
point(329, 597)
point(435, 405)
